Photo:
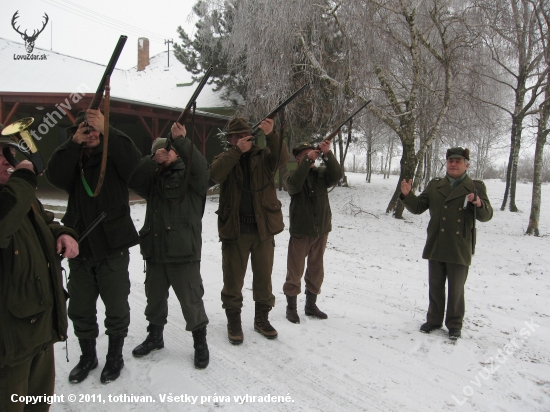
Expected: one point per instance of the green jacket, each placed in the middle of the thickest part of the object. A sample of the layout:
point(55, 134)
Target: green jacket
point(32, 299)
point(116, 232)
point(227, 171)
point(450, 227)
point(310, 213)
point(172, 230)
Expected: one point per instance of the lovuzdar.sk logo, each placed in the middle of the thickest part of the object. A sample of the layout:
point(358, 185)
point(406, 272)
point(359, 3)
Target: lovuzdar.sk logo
point(29, 39)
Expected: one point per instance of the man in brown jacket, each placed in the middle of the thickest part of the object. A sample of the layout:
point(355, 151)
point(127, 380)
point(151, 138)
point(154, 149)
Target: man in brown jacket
point(249, 215)
point(33, 312)
point(310, 224)
point(451, 201)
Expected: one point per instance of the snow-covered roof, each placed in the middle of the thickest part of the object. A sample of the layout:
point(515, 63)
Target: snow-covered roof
point(60, 73)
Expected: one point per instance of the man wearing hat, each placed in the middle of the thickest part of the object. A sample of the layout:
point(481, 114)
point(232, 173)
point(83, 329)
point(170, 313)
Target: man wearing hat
point(170, 238)
point(101, 269)
point(33, 314)
point(249, 215)
point(451, 201)
point(310, 223)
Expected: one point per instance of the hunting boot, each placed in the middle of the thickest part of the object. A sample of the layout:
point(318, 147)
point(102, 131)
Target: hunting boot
point(311, 306)
point(88, 361)
point(153, 341)
point(291, 311)
point(261, 321)
point(202, 355)
point(115, 361)
point(234, 327)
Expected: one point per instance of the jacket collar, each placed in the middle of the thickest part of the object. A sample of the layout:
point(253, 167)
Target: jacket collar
point(465, 187)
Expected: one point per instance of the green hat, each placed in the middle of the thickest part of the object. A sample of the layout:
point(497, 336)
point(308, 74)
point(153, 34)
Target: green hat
point(158, 143)
point(71, 130)
point(237, 126)
point(301, 146)
point(458, 153)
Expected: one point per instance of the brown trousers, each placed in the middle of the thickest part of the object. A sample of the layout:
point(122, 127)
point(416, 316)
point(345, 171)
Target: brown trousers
point(234, 262)
point(455, 275)
point(33, 378)
point(300, 248)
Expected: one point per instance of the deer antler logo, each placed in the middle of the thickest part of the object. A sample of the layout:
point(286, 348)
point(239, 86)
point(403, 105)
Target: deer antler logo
point(29, 40)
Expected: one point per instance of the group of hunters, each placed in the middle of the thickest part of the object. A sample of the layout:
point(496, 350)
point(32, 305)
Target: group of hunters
point(33, 312)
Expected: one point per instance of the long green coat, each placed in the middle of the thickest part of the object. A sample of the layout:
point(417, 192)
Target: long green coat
point(116, 232)
point(32, 299)
point(450, 227)
point(227, 171)
point(172, 230)
point(310, 213)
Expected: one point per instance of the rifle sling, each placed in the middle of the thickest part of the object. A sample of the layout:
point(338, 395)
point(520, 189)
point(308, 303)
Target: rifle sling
point(105, 147)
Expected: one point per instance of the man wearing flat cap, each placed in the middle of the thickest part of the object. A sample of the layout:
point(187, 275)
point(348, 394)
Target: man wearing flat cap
point(310, 224)
point(249, 216)
point(101, 268)
point(454, 202)
point(171, 238)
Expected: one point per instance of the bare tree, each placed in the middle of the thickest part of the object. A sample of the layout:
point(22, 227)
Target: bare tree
point(543, 20)
point(513, 41)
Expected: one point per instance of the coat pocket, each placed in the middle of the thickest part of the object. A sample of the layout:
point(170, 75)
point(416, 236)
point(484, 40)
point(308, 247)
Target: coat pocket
point(32, 326)
point(146, 243)
point(118, 226)
point(180, 238)
point(273, 215)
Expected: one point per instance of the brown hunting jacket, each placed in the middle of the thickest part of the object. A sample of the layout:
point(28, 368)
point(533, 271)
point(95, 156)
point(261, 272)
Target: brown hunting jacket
point(227, 171)
point(450, 227)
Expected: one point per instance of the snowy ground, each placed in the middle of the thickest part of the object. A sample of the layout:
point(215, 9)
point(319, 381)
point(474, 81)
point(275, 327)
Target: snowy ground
point(369, 354)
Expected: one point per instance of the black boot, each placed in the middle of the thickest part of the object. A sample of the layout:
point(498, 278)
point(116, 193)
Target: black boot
point(311, 306)
point(234, 326)
point(115, 361)
point(261, 321)
point(202, 356)
point(153, 341)
point(291, 311)
point(88, 361)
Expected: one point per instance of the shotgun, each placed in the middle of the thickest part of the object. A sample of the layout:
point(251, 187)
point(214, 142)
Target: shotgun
point(335, 132)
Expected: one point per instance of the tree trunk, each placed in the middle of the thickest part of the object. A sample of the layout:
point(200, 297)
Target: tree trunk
point(408, 167)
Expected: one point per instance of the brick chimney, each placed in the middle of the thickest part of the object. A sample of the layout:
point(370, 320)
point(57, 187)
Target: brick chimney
point(143, 53)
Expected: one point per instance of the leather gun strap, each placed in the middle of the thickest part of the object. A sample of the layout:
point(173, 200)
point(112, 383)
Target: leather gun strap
point(105, 137)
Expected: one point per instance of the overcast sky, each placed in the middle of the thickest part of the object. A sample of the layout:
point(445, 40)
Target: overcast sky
point(90, 30)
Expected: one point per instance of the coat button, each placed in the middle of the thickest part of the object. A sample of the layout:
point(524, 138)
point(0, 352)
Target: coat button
point(457, 232)
point(168, 228)
point(444, 218)
point(443, 230)
point(155, 234)
point(459, 208)
point(33, 320)
point(459, 220)
point(16, 252)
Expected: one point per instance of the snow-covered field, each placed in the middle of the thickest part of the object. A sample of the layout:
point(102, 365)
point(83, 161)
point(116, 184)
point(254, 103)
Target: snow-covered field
point(369, 354)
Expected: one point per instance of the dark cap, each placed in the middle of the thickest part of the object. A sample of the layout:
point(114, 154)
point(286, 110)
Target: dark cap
point(458, 153)
point(159, 143)
point(71, 130)
point(237, 126)
point(301, 146)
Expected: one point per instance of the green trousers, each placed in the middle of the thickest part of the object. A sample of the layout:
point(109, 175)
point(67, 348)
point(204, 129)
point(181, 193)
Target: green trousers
point(186, 281)
point(234, 262)
point(455, 275)
point(35, 377)
point(108, 278)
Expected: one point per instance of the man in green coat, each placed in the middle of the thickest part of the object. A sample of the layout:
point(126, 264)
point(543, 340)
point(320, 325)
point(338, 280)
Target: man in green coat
point(249, 216)
point(310, 224)
point(171, 239)
point(33, 312)
point(101, 269)
point(451, 201)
